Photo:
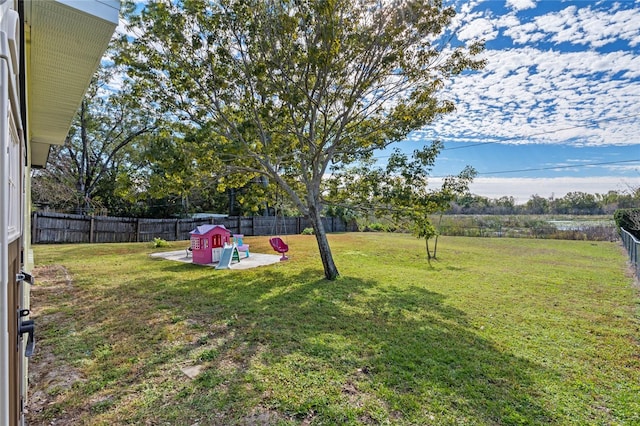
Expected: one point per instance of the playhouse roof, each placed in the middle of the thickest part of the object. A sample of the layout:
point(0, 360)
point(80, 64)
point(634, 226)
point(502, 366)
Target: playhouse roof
point(204, 229)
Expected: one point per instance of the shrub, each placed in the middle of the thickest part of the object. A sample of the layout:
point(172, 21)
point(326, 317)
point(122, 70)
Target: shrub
point(307, 231)
point(159, 242)
point(377, 227)
point(628, 219)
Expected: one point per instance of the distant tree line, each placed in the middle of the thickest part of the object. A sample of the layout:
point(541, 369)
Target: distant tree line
point(573, 203)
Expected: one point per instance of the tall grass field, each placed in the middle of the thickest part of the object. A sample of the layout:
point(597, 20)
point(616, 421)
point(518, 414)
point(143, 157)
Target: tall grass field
point(495, 332)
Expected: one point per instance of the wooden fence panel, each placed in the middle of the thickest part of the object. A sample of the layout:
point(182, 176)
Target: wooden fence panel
point(114, 229)
point(48, 227)
point(228, 222)
point(166, 229)
point(247, 226)
point(264, 225)
point(66, 228)
point(185, 226)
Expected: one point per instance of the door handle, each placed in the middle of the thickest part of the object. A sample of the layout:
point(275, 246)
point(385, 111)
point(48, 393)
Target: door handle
point(29, 327)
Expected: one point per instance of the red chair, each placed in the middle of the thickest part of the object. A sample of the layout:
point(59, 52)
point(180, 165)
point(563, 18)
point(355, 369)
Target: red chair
point(279, 246)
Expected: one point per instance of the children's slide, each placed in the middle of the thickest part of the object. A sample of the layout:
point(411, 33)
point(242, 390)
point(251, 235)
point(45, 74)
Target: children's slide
point(229, 253)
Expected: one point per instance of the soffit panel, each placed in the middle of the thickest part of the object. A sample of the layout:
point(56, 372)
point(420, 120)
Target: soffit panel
point(65, 45)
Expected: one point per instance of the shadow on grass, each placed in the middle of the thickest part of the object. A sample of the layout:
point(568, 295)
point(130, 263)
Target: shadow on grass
point(401, 348)
point(285, 348)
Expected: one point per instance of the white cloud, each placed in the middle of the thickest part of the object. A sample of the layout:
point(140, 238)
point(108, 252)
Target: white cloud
point(527, 94)
point(530, 94)
point(523, 188)
point(525, 33)
point(582, 25)
point(521, 4)
point(590, 27)
point(478, 29)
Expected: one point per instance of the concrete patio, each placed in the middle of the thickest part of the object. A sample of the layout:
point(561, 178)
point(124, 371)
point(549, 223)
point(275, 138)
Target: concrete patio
point(253, 261)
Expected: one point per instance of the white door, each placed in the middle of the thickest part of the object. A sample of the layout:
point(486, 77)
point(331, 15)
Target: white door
point(12, 168)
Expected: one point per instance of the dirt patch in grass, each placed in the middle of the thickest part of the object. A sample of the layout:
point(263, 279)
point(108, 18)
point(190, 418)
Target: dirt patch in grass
point(49, 377)
point(263, 417)
point(52, 277)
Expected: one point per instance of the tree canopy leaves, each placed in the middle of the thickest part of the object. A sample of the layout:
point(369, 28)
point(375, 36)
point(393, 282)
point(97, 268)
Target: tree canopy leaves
point(109, 129)
point(296, 89)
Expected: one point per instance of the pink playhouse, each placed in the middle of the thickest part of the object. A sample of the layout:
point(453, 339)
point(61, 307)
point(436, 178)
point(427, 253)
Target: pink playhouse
point(207, 242)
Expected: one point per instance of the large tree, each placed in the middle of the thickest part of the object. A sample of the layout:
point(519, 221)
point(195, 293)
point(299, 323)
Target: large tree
point(97, 152)
point(290, 88)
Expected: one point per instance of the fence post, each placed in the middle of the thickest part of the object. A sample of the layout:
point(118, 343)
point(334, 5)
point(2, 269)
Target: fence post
point(137, 230)
point(177, 230)
point(92, 225)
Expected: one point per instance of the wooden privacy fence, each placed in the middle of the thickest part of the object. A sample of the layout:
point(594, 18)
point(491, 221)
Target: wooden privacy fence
point(48, 227)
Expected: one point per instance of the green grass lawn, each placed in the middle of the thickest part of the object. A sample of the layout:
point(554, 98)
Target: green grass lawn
point(497, 331)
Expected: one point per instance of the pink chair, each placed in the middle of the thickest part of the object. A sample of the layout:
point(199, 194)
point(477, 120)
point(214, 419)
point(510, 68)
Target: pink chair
point(279, 246)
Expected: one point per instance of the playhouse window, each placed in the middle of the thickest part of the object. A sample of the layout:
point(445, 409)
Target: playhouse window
point(206, 243)
point(195, 244)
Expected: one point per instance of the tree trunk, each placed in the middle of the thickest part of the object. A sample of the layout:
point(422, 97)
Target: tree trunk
point(330, 270)
point(435, 247)
point(427, 247)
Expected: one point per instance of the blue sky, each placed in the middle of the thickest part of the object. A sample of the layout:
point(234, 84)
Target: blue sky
point(557, 108)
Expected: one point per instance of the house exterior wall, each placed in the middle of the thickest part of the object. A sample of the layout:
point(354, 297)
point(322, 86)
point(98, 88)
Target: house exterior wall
point(13, 177)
